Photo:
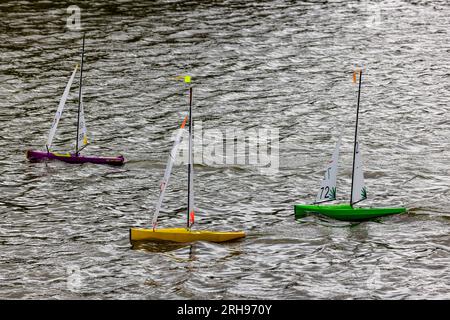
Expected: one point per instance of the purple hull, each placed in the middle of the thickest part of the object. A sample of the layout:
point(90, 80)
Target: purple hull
point(34, 156)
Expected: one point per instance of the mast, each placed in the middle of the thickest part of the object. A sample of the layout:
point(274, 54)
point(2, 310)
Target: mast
point(79, 100)
point(189, 157)
point(356, 135)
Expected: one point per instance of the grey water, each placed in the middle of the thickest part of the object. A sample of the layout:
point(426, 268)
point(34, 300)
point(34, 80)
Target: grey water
point(284, 66)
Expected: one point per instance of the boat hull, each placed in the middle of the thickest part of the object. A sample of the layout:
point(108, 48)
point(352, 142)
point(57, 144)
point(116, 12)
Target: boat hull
point(345, 212)
point(35, 156)
point(183, 235)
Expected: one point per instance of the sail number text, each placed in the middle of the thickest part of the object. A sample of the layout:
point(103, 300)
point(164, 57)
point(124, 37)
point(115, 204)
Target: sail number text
point(326, 189)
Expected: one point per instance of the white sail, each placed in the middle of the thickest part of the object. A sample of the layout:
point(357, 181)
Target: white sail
point(359, 192)
point(165, 180)
point(191, 180)
point(327, 191)
point(82, 131)
point(60, 109)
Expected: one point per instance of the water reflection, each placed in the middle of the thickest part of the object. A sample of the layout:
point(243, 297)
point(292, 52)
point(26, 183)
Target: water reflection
point(159, 246)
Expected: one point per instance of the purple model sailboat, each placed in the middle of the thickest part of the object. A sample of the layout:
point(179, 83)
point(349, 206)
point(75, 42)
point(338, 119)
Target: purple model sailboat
point(81, 141)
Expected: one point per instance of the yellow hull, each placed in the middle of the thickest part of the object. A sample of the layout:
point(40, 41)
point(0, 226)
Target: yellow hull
point(183, 235)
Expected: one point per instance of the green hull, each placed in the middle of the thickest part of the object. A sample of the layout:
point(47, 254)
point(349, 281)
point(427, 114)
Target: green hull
point(345, 212)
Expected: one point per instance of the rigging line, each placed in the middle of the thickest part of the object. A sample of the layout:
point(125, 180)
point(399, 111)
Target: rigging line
point(356, 135)
point(79, 100)
point(190, 155)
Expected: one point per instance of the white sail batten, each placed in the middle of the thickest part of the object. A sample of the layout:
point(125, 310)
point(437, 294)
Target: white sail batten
point(60, 109)
point(165, 180)
point(327, 191)
point(359, 192)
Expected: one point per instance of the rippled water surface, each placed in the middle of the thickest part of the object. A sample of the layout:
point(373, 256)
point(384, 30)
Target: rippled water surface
point(283, 65)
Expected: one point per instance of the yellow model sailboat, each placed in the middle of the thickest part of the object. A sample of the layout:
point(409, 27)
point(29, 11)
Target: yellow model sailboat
point(184, 235)
point(181, 234)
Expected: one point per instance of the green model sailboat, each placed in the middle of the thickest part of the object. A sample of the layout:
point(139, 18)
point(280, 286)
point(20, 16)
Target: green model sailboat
point(327, 192)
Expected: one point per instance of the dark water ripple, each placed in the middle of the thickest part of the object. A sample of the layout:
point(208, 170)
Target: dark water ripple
point(267, 64)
